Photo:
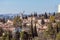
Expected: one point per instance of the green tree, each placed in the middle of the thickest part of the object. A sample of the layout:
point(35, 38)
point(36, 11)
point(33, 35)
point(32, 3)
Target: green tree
point(42, 21)
point(52, 19)
point(50, 29)
point(58, 36)
point(35, 30)
point(4, 20)
point(5, 35)
point(24, 35)
point(32, 26)
point(21, 35)
point(58, 26)
point(1, 31)
point(50, 32)
point(54, 14)
point(17, 21)
point(35, 14)
point(55, 28)
point(46, 16)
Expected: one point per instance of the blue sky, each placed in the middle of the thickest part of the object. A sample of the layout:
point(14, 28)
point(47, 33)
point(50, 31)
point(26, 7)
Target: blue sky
point(40, 6)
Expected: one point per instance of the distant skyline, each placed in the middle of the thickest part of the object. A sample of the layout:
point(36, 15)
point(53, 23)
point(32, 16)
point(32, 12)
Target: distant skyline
point(39, 6)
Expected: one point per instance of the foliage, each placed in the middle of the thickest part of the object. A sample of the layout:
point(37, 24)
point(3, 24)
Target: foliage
point(46, 16)
point(52, 19)
point(35, 14)
point(4, 20)
point(17, 21)
point(35, 30)
point(42, 21)
point(50, 29)
point(21, 35)
point(54, 14)
point(1, 31)
point(58, 36)
point(24, 35)
point(58, 26)
point(50, 32)
point(32, 28)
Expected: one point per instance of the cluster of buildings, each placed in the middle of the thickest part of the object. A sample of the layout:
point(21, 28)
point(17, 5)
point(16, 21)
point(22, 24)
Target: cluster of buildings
point(27, 22)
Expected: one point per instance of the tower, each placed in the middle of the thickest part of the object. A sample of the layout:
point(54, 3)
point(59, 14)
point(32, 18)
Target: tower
point(58, 8)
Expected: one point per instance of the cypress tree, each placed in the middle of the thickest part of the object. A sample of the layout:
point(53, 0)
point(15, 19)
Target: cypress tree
point(35, 30)
point(32, 27)
point(42, 21)
point(54, 14)
point(46, 16)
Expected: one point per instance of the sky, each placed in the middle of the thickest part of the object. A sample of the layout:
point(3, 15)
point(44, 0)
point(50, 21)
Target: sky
point(29, 6)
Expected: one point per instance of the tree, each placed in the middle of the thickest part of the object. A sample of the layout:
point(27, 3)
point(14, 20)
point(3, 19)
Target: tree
point(1, 31)
point(54, 14)
point(35, 30)
point(4, 36)
point(25, 35)
point(35, 14)
point(58, 27)
point(25, 25)
point(55, 28)
point(22, 35)
point(50, 29)
point(50, 32)
point(17, 35)
point(53, 32)
point(46, 16)
point(3, 20)
point(57, 31)
point(26, 17)
point(9, 35)
point(32, 26)
point(52, 19)
point(42, 21)
point(17, 21)
point(58, 36)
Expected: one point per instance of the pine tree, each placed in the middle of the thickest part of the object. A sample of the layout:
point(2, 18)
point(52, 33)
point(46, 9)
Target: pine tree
point(46, 16)
point(42, 21)
point(54, 14)
point(35, 14)
point(32, 27)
